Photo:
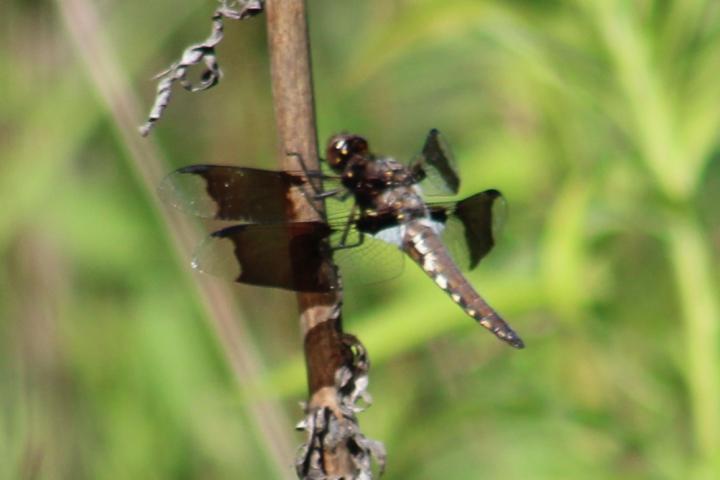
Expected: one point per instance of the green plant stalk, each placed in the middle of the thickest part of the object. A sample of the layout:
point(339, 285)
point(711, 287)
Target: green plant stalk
point(692, 268)
point(675, 173)
point(83, 23)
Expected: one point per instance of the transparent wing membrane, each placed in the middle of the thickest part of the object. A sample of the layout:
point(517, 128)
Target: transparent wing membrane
point(372, 261)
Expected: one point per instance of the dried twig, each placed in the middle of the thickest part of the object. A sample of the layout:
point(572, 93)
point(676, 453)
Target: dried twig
point(202, 52)
point(329, 431)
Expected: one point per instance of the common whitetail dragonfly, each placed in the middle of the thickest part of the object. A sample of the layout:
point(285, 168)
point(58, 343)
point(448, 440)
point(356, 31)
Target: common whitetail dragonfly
point(266, 249)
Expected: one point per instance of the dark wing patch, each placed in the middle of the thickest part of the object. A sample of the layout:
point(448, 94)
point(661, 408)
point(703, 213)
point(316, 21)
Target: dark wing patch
point(471, 226)
point(435, 165)
point(288, 256)
point(232, 193)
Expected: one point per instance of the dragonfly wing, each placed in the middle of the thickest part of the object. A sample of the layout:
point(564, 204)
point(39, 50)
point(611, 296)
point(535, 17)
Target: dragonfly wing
point(223, 192)
point(436, 166)
point(288, 256)
point(368, 260)
point(471, 226)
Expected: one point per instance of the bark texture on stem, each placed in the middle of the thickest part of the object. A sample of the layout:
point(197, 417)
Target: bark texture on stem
point(336, 363)
point(295, 120)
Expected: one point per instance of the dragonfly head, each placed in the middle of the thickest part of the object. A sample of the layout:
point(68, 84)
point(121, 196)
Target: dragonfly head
point(342, 147)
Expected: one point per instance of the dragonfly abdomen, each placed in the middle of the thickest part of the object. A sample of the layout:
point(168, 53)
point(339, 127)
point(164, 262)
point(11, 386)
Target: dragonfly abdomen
point(422, 243)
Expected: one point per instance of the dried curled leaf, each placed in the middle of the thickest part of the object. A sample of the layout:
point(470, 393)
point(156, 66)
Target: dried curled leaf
point(329, 429)
point(195, 54)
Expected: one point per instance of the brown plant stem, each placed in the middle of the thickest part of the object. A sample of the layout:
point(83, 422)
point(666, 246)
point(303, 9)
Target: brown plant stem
point(295, 120)
point(325, 351)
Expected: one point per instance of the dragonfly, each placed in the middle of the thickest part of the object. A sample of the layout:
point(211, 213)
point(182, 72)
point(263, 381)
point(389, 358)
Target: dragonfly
point(387, 215)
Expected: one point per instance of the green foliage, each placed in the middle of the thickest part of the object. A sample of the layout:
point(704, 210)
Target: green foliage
point(598, 120)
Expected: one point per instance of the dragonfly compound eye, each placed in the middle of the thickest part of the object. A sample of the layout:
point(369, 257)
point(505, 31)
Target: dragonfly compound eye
point(343, 147)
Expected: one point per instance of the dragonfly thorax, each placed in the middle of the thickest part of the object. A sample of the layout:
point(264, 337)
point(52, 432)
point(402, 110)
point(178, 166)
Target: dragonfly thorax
point(393, 207)
point(369, 178)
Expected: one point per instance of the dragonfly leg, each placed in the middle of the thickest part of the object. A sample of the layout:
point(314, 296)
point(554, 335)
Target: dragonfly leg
point(328, 194)
point(346, 232)
point(311, 175)
point(338, 194)
point(312, 180)
point(360, 240)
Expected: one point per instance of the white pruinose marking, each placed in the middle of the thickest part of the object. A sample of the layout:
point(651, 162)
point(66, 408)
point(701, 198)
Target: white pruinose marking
point(456, 297)
point(395, 235)
point(441, 281)
point(436, 227)
point(392, 235)
point(430, 263)
point(419, 242)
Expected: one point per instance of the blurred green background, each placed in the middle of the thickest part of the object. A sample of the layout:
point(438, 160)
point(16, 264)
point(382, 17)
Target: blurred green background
point(598, 119)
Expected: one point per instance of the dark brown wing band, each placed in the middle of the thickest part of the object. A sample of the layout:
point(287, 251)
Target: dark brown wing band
point(437, 161)
point(245, 194)
point(476, 214)
point(287, 256)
